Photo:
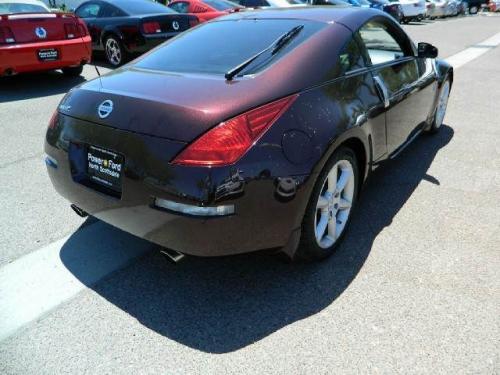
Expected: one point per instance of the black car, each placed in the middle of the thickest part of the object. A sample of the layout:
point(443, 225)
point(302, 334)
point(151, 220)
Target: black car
point(212, 145)
point(124, 27)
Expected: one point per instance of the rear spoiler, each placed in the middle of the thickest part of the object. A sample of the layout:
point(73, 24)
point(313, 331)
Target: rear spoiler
point(16, 16)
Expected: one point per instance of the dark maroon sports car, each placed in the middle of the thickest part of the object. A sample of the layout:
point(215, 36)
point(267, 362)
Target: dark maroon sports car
point(253, 131)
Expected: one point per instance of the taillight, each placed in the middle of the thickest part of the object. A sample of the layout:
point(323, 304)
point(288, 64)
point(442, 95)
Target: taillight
point(151, 27)
point(193, 21)
point(53, 119)
point(72, 30)
point(6, 35)
point(82, 28)
point(230, 140)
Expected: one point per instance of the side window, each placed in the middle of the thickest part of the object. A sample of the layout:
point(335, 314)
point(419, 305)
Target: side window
point(380, 44)
point(350, 58)
point(110, 11)
point(90, 10)
point(180, 7)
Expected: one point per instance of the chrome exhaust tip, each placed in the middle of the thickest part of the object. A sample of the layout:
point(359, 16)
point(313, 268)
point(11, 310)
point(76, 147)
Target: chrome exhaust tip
point(79, 211)
point(172, 255)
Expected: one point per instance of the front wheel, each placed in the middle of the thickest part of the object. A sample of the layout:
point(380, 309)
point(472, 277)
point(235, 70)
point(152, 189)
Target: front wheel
point(329, 209)
point(442, 104)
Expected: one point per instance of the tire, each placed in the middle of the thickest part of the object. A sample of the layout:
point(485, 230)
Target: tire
point(473, 9)
point(442, 104)
point(342, 167)
point(73, 71)
point(114, 51)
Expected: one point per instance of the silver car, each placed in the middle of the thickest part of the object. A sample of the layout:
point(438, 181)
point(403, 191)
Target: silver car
point(441, 8)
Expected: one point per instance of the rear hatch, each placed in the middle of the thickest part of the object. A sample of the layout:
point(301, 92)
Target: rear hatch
point(38, 27)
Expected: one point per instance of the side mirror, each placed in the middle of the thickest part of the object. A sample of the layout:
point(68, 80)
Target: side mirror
point(427, 50)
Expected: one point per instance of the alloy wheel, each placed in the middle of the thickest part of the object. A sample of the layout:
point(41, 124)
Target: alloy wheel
point(334, 204)
point(113, 52)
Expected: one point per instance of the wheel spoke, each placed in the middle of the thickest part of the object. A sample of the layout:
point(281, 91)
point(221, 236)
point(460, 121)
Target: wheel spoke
point(332, 180)
point(321, 227)
point(343, 180)
point(332, 229)
point(344, 204)
point(322, 203)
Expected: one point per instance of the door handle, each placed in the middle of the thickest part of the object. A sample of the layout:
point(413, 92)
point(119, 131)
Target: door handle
point(382, 90)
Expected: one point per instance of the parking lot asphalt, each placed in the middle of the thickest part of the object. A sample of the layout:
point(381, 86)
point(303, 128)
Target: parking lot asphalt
point(415, 287)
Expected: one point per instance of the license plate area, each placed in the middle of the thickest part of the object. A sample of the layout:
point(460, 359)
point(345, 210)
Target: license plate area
point(48, 54)
point(97, 168)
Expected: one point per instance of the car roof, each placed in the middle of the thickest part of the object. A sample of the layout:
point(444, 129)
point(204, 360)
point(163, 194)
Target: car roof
point(349, 16)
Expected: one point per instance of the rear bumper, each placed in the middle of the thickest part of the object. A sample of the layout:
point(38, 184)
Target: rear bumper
point(265, 213)
point(21, 58)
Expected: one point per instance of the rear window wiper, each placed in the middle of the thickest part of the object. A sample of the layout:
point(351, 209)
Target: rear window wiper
point(275, 47)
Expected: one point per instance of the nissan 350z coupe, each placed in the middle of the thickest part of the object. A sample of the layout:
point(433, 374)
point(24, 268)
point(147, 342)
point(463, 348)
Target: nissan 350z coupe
point(253, 131)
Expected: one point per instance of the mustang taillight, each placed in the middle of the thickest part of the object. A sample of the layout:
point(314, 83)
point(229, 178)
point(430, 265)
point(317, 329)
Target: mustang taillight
point(82, 28)
point(6, 35)
point(72, 30)
point(230, 140)
point(193, 21)
point(151, 27)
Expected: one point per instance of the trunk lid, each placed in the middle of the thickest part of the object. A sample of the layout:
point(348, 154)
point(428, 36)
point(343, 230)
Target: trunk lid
point(175, 106)
point(38, 27)
point(170, 23)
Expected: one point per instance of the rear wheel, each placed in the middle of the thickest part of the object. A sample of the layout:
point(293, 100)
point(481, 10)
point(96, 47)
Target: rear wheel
point(73, 71)
point(441, 106)
point(113, 48)
point(329, 209)
point(473, 9)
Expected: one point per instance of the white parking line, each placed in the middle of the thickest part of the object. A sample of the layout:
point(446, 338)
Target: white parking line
point(40, 281)
point(467, 55)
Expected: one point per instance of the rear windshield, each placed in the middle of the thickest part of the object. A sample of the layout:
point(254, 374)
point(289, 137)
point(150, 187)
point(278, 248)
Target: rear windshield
point(221, 4)
point(9, 8)
point(217, 47)
point(143, 7)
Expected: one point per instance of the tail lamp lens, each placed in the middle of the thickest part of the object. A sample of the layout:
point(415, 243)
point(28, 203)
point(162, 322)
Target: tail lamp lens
point(53, 120)
point(229, 141)
point(151, 27)
point(6, 35)
point(193, 21)
point(72, 30)
point(82, 28)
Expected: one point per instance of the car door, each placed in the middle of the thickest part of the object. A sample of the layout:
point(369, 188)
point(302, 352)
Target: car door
point(397, 74)
point(89, 12)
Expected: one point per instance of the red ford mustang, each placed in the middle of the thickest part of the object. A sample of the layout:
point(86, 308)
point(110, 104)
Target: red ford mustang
point(205, 10)
point(34, 39)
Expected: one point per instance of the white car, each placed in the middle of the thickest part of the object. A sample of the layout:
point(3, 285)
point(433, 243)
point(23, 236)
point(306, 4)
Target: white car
point(413, 10)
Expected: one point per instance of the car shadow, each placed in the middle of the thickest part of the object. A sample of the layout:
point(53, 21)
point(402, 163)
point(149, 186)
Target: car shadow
point(219, 305)
point(36, 85)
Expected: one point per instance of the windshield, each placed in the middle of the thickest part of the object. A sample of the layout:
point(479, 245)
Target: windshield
point(221, 4)
point(218, 47)
point(143, 7)
point(9, 8)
